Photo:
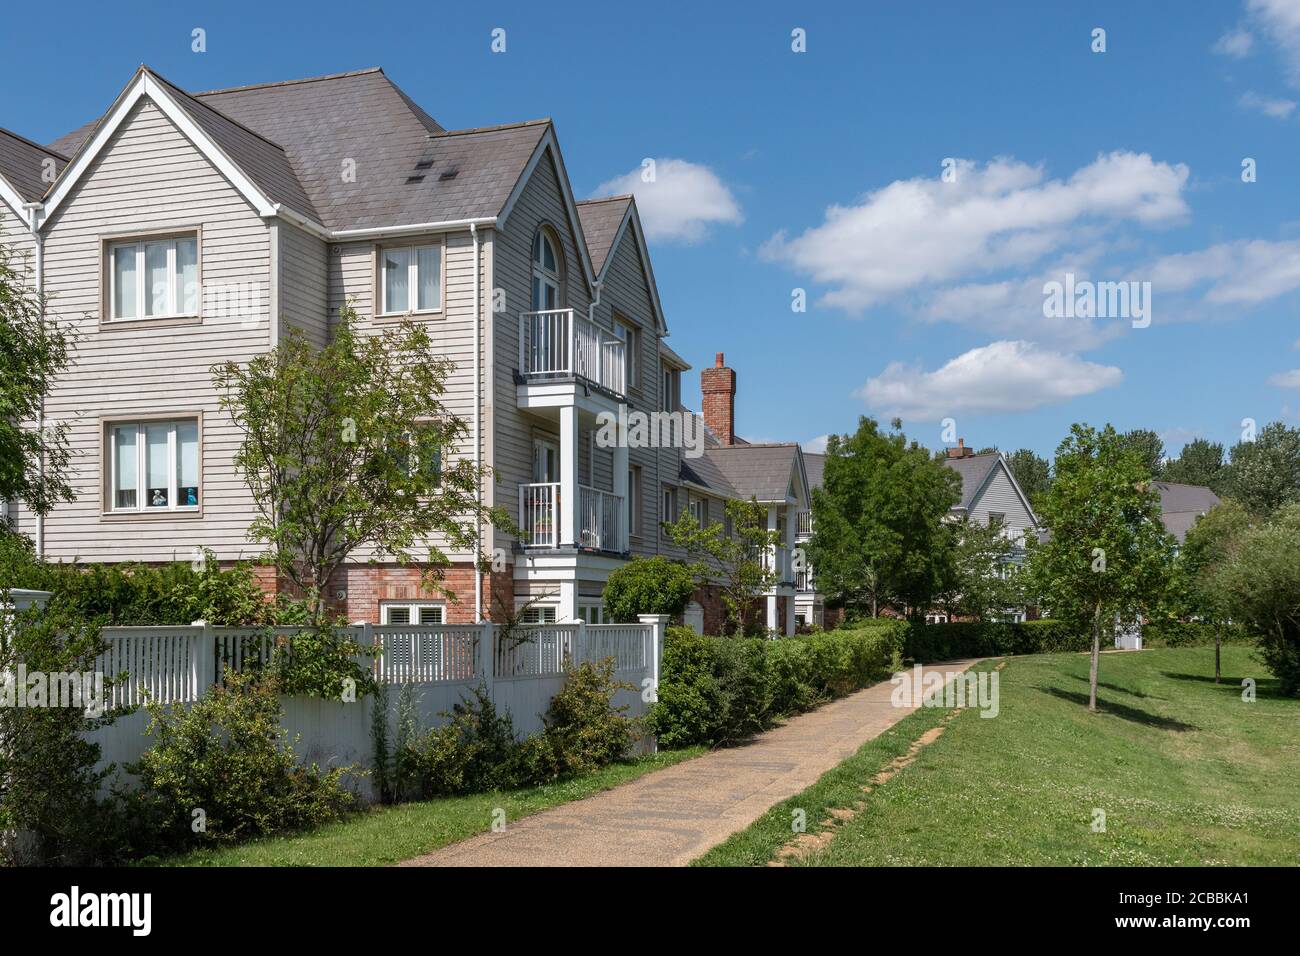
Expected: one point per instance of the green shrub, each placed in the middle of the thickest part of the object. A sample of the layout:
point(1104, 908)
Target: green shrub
point(222, 770)
point(1173, 633)
point(716, 690)
point(323, 662)
point(471, 753)
point(648, 586)
point(583, 728)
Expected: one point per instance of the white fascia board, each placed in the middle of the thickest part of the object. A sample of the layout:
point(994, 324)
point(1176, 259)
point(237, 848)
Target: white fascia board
point(14, 201)
point(548, 142)
point(145, 86)
point(377, 232)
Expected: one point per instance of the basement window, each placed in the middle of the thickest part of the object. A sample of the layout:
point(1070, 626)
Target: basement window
point(410, 613)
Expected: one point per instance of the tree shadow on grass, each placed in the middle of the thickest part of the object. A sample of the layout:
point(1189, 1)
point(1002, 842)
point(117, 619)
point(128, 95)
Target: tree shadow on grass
point(1121, 710)
point(1264, 686)
point(1122, 690)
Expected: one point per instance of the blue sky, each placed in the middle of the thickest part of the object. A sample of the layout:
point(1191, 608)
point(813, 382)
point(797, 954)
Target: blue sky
point(821, 171)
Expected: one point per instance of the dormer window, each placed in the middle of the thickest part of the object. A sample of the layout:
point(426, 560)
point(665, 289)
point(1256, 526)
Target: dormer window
point(154, 278)
point(411, 279)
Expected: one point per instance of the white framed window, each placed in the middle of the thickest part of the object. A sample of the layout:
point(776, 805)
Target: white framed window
point(153, 278)
point(671, 388)
point(634, 499)
point(592, 612)
point(410, 279)
point(699, 510)
point(670, 506)
point(539, 614)
point(153, 465)
point(546, 272)
point(627, 332)
point(410, 612)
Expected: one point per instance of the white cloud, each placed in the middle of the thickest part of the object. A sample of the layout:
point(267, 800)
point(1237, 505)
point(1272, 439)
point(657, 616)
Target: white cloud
point(997, 378)
point(1005, 214)
point(1289, 379)
point(816, 445)
point(1244, 272)
point(681, 203)
point(1279, 20)
point(1270, 106)
point(1235, 43)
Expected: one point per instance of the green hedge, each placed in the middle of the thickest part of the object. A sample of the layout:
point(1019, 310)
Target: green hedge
point(1189, 634)
point(716, 689)
point(939, 642)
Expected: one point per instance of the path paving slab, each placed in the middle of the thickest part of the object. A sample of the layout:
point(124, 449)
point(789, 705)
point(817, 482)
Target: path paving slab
point(672, 816)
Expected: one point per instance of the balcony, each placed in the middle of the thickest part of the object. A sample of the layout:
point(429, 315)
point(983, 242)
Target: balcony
point(599, 522)
point(559, 344)
point(779, 558)
point(803, 525)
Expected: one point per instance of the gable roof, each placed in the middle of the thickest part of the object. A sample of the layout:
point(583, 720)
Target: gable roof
point(292, 139)
point(814, 464)
point(975, 472)
point(1181, 505)
point(602, 220)
point(762, 472)
point(22, 165)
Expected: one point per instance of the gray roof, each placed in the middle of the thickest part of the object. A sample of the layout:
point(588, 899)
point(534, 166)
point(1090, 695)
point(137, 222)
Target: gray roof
point(704, 471)
point(814, 465)
point(756, 471)
point(1181, 505)
point(22, 163)
point(293, 138)
point(600, 221)
point(974, 471)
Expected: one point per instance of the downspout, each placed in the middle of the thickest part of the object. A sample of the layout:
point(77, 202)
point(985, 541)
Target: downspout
point(478, 445)
point(33, 222)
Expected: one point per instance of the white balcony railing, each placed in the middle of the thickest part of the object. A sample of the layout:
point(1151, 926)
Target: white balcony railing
point(600, 517)
point(539, 514)
point(803, 581)
point(780, 559)
point(559, 343)
point(803, 525)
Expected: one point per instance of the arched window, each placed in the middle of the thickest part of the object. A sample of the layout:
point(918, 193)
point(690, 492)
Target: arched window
point(547, 271)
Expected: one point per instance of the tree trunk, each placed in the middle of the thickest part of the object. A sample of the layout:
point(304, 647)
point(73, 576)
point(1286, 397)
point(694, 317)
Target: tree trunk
point(1218, 646)
point(1096, 653)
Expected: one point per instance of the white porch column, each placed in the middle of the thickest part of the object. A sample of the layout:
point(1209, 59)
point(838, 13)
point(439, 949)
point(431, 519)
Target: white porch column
point(568, 477)
point(772, 625)
point(567, 612)
point(620, 483)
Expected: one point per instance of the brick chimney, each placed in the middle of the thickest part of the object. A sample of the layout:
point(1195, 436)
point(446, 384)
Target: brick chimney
point(961, 451)
point(719, 387)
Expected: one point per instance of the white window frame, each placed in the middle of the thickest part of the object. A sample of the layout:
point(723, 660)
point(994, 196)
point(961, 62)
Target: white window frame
point(413, 609)
point(669, 504)
point(593, 612)
point(412, 278)
point(626, 330)
point(142, 296)
point(696, 506)
point(540, 611)
point(546, 278)
point(142, 464)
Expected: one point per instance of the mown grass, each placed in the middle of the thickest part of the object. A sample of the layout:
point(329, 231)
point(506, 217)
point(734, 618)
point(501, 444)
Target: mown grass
point(1186, 772)
point(384, 835)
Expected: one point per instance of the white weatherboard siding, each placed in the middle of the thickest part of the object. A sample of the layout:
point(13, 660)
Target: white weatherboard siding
point(627, 292)
point(999, 495)
point(15, 234)
point(352, 276)
point(150, 178)
point(304, 299)
point(541, 201)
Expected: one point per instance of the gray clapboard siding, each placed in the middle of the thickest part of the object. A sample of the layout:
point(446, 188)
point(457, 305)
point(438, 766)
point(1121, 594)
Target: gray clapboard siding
point(304, 283)
point(150, 178)
point(1000, 496)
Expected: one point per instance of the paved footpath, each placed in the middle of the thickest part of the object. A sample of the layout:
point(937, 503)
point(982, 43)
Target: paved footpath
point(671, 816)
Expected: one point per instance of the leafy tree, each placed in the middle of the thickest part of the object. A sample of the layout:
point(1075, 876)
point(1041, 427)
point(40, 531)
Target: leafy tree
point(985, 579)
point(348, 448)
point(33, 350)
point(648, 586)
point(734, 559)
point(1206, 549)
point(1032, 471)
point(1150, 449)
point(1265, 473)
point(1107, 557)
point(1259, 585)
point(1200, 463)
point(879, 529)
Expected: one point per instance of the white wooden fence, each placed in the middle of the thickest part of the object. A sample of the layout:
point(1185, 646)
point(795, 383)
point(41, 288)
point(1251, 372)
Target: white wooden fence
point(443, 663)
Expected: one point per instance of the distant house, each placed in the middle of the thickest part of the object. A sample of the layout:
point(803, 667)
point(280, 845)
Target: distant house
point(1181, 505)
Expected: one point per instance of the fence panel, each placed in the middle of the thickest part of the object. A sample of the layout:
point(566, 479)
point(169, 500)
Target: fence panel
point(429, 654)
point(153, 663)
point(535, 650)
point(628, 644)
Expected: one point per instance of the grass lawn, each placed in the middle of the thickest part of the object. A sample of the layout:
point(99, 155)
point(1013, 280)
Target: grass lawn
point(1186, 772)
point(390, 834)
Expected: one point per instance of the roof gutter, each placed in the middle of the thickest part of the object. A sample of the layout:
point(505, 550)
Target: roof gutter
point(376, 232)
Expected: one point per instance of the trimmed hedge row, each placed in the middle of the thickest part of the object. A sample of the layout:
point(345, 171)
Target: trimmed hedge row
point(1189, 634)
point(939, 642)
point(714, 689)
